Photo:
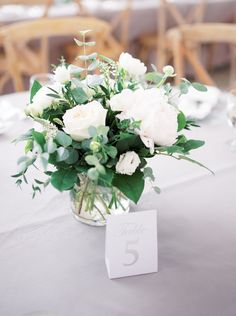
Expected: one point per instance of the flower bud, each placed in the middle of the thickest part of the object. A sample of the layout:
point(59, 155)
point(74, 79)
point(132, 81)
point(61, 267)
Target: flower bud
point(168, 70)
point(95, 146)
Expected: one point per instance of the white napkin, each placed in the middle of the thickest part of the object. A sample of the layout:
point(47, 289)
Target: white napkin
point(198, 105)
point(9, 115)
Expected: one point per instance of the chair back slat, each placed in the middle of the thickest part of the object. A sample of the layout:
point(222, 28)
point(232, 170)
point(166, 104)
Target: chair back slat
point(23, 59)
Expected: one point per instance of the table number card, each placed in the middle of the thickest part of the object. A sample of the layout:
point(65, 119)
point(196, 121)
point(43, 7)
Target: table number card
point(131, 244)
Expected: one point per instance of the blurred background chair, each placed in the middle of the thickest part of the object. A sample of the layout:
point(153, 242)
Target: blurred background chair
point(31, 60)
point(45, 4)
point(185, 47)
point(157, 41)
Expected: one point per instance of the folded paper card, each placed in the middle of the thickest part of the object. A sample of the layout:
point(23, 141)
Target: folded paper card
point(131, 244)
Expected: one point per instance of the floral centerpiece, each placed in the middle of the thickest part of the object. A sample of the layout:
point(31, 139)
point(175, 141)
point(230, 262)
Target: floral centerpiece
point(99, 125)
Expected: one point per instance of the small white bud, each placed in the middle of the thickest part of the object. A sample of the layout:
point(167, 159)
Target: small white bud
point(168, 70)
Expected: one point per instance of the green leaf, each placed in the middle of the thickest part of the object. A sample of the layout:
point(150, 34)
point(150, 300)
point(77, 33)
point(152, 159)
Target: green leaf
point(184, 87)
point(148, 173)
point(128, 143)
point(130, 186)
point(181, 121)
point(79, 95)
point(90, 44)
point(154, 77)
point(193, 144)
point(39, 138)
point(23, 137)
point(93, 174)
point(62, 154)
point(198, 86)
point(111, 151)
point(157, 190)
point(63, 139)
point(106, 179)
point(92, 131)
point(34, 89)
point(64, 179)
point(91, 160)
point(29, 145)
point(93, 65)
point(44, 160)
point(73, 157)
point(181, 157)
point(88, 57)
point(102, 130)
point(53, 95)
point(50, 146)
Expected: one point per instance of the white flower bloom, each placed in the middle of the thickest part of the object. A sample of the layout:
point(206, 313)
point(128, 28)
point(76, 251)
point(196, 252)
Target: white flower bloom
point(62, 74)
point(158, 118)
point(122, 101)
point(78, 119)
point(161, 125)
point(128, 163)
point(132, 65)
point(41, 100)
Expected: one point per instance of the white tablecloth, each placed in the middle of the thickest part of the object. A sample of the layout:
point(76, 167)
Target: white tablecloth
point(50, 262)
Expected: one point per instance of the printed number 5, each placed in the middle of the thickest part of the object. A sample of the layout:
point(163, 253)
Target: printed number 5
point(131, 252)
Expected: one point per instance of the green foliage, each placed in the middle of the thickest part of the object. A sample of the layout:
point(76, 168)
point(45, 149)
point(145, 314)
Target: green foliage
point(181, 121)
point(63, 139)
point(131, 186)
point(39, 138)
point(79, 95)
point(34, 89)
point(97, 156)
point(64, 179)
point(198, 86)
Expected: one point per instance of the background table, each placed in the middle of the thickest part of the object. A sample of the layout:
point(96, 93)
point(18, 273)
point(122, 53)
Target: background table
point(50, 262)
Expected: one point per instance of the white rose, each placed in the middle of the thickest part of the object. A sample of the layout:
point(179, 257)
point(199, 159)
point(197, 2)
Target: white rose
point(128, 163)
point(41, 100)
point(78, 119)
point(122, 101)
point(132, 65)
point(62, 74)
point(158, 118)
point(160, 125)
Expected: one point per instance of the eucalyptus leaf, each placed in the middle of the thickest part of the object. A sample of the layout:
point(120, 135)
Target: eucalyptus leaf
point(93, 174)
point(73, 157)
point(184, 87)
point(79, 95)
point(63, 139)
point(39, 138)
point(64, 179)
point(198, 86)
point(91, 160)
point(62, 154)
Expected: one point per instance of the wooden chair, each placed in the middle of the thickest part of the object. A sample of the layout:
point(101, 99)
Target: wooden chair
point(4, 73)
point(29, 61)
point(158, 40)
point(122, 21)
point(187, 39)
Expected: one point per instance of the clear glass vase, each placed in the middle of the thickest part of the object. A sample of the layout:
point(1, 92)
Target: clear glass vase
point(92, 204)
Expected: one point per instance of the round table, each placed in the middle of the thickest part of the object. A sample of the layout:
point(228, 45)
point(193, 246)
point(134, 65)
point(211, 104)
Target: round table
point(51, 263)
